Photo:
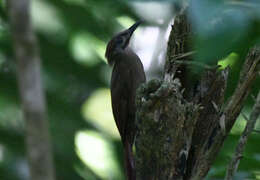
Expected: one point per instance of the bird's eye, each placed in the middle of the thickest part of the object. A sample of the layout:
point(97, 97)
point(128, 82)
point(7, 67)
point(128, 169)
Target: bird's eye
point(119, 40)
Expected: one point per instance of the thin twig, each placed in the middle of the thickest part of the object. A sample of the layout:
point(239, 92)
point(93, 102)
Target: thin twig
point(31, 91)
point(233, 165)
point(178, 59)
point(256, 131)
point(183, 55)
point(193, 63)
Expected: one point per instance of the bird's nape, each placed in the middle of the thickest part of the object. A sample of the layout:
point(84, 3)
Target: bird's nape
point(120, 42)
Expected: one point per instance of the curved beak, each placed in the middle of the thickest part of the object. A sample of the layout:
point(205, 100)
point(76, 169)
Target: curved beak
point(134, 27)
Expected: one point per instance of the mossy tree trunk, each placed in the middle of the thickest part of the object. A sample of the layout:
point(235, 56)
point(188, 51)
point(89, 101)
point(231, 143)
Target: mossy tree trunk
point(183, 122)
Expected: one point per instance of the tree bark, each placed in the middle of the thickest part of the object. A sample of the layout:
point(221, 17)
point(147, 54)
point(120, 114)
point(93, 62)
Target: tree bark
point(250, 125)
point(182, 121)
point(31, 91)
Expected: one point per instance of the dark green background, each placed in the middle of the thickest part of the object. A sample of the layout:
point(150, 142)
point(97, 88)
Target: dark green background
point(72, 35)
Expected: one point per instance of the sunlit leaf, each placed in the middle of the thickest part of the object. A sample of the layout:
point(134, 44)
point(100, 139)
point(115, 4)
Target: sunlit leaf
point(97, 109)
point(96, 152)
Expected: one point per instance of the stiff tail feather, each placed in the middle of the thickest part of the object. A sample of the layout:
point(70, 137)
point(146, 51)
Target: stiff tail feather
point(129, 162)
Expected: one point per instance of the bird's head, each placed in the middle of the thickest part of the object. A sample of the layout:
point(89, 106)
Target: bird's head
point(119, 42)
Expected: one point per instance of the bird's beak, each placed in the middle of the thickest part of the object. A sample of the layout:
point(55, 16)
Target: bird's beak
point(129, 32)
point(133, 27)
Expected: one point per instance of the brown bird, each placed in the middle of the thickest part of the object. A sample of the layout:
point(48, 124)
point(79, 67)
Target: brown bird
point(128, 74)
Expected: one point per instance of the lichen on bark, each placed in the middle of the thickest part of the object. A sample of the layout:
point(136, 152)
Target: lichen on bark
point(166, 118)
point(183, 123)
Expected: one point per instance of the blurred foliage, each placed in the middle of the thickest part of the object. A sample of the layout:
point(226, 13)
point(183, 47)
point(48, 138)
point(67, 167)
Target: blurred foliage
point(72, 35)
point(237, 24)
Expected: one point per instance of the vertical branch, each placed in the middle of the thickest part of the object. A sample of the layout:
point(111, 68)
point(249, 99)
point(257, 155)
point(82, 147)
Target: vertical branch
point(31, 92)
point(247, 76)
point(178, 44)
point(232, 167)
point(190, 154)
point(228, 116)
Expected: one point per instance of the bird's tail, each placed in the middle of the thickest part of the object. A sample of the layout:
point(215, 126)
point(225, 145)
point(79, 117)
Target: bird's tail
point(129, 162)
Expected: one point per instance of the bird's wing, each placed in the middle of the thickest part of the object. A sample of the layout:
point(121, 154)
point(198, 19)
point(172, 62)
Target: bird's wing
point(120, 99)
point(127, 76)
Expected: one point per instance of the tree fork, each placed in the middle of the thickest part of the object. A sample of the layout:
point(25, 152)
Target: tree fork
point(181, 126)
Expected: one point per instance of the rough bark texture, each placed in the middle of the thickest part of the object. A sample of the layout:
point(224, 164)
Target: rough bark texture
point(31, 91)
point(182, 125)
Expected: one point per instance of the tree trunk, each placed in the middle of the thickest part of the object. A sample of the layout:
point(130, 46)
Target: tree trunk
point(31, 92)
point(182, 121)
